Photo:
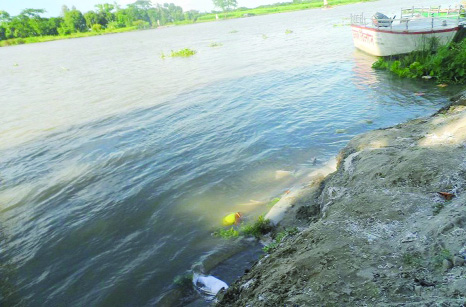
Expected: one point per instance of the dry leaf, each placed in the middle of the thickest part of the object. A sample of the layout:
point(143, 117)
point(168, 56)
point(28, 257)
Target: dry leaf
point(447, 196)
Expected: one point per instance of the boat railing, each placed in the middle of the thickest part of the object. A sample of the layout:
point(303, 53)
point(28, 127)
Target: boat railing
point(361, 20)
point(438, 11)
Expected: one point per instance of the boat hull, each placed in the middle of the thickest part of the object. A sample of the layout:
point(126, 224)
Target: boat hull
point(381, 42)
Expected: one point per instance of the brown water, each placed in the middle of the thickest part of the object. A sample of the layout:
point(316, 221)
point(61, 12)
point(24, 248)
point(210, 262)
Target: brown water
point(116, 165)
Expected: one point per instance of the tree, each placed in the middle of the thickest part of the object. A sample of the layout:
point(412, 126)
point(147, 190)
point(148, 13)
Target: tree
point(73, 22)
point(105, 13)
point(225, 5)
point(4, 19)
point(91, 19)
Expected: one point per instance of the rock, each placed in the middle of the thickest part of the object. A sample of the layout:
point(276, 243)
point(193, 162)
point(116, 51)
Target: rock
point(446, 265)
point(458, 261)
point(417, 290)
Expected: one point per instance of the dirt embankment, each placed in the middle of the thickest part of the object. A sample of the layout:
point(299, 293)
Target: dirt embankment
point(376, 232)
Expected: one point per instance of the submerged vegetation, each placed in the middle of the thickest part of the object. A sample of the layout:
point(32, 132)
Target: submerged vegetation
point(214, 44)
point(256, 229)
point(445, 64)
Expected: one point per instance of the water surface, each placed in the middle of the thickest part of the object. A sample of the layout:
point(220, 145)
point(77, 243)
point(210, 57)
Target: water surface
point(116, 164)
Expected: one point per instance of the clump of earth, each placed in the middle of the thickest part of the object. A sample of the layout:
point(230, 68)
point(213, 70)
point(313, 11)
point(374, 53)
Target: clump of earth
point(387, 228)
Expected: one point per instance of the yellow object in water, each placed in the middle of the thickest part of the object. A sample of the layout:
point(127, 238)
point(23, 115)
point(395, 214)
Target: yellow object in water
point(231, 219)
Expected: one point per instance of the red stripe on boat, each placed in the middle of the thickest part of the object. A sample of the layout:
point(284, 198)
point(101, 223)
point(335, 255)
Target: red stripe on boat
point(406, 32)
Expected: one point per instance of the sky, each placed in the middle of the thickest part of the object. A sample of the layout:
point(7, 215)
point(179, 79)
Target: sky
point(53, 7)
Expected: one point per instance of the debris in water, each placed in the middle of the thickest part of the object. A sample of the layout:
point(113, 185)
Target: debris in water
point(442, 85)
point(209, 285)
point(419, 94)
point(232, 218)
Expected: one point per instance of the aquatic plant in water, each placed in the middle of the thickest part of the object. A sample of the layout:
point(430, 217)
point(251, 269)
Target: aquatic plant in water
point(214, 44)
point(259, 228)
point(288, 31)
point(226, 233)
point(186, 52)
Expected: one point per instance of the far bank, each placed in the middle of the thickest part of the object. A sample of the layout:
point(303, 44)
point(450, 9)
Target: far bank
point(152, 23)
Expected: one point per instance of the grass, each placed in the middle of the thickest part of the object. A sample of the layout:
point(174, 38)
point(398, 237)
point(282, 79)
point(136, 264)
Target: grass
point(445, 64)
point(275, 8)
point(442, 255)
point(279, 238)
point(413, 259)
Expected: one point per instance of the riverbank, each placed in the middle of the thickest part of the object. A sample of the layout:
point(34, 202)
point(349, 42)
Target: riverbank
point(48, 38)
point(388, 227)
point(239, 13)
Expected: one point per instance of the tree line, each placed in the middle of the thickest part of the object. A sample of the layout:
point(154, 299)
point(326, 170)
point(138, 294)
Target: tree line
point(140, 14)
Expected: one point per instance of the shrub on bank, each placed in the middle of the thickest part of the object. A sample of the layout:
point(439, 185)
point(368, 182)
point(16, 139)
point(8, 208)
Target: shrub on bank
point(445, 64)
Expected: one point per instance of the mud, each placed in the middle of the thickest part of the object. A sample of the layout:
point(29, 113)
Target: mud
point(375, 232)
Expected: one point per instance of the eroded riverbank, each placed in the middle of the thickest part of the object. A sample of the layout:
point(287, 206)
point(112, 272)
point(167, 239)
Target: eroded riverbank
point(376, 231)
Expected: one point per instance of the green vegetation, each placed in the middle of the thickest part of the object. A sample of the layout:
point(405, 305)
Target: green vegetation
point(280, 7)
point(279, 238)
point(288, 31)
point(259, 228)
point(445, 64)
point(184, 281)
point(214, 44)
point(186, 52)
point(273, 202)
point(225, 5)
point(226, 233)
point(30, 27)
point(438, 207)
point(442, 255)
point(413, 259)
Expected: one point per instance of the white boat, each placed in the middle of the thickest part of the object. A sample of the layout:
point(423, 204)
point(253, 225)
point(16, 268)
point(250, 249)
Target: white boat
point(414, 30)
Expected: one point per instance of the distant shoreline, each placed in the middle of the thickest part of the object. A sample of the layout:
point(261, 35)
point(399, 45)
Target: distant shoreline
point(239, 13)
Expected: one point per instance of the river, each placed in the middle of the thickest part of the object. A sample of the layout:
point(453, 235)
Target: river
point(117, 165)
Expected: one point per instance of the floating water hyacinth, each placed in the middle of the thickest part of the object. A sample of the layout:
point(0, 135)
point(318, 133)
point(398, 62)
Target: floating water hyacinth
point(186, 52)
